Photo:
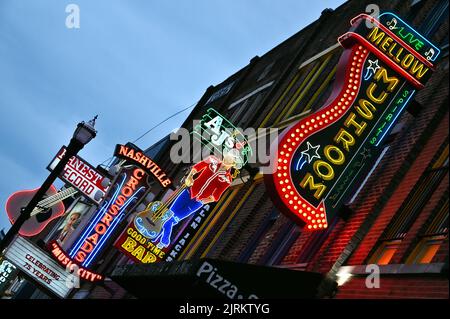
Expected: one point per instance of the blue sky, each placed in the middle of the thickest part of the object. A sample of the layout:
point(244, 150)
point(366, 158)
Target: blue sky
point(133, 62)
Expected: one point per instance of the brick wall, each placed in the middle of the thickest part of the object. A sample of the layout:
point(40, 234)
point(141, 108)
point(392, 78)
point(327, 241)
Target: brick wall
point(411, 238)
point(398, 287)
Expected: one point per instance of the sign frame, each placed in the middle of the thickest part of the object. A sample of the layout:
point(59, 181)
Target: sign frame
point(96, 186)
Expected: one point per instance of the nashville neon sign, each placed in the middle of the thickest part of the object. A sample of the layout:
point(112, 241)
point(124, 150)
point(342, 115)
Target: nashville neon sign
point(321, 157)
point(137, 157)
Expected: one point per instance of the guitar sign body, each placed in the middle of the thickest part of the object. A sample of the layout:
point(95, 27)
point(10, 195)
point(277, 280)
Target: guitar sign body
point(151, 220)
point(48, 209)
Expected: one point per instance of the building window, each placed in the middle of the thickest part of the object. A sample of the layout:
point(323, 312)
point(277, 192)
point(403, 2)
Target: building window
point(412, 207)
point(265, 72)
point(219, 93)
point(435, 234)
point(249, 95)
point(426, 250)
point(385, 252)
point(247, 106)
point(258, 237)
point(434, 19)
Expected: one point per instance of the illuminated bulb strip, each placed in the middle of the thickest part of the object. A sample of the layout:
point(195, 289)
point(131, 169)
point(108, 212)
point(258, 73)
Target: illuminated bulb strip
point(314, 216)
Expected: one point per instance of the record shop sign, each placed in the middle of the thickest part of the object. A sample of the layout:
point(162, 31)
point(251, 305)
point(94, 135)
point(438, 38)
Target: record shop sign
point(81, 175)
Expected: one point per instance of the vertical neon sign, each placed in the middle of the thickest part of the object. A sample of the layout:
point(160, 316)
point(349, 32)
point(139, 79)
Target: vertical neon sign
point(130, 187)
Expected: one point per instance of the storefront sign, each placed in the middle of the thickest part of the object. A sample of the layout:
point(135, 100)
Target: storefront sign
point(81, 175)
point(39, 266)
point(7, 273)
point(410, 36)
point(142, 249)
point(129, 188)
point(218, 134)
point(64, 260)
point(165, 228)
point(321, 157)
point(213, 276)
point(136, 157)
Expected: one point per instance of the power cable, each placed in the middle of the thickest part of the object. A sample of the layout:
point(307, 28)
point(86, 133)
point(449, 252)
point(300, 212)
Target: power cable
point(109, 159)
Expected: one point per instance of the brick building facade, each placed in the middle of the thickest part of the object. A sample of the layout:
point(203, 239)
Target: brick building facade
point(398, 219)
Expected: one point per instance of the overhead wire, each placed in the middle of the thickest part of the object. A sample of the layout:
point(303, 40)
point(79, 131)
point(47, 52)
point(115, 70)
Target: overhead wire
point(109, 159)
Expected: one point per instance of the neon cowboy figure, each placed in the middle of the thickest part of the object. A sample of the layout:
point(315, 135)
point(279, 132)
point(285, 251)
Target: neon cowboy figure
point(205, 183)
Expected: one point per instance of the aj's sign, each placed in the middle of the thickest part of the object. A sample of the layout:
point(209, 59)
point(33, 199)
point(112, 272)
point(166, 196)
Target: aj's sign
point(320, 157)
point(218, 134)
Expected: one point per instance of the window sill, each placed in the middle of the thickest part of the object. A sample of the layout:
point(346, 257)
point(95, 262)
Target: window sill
point(399, 269)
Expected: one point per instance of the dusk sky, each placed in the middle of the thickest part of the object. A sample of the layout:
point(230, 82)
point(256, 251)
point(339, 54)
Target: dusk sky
point(134, 63)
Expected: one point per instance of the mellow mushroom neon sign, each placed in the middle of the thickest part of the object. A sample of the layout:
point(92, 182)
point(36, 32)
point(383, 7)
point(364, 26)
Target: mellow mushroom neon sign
point(320, 158)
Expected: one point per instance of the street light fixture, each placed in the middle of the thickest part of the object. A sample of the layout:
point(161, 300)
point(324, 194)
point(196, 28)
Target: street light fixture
point(83, 134)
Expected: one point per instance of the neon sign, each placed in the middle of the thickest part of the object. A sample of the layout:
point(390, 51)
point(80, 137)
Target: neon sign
point(219, 135)
point(137, 157)
point(81, 175)
point(409, 35)
point(129, 188)
point(321, 157)
point(163, 230)
point(64, 260)
point(7, 273)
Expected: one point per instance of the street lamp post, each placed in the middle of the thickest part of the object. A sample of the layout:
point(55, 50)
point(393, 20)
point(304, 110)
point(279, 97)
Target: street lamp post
point(83, 134)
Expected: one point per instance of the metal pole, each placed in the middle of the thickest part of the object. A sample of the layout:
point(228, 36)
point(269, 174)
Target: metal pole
point(72, 149)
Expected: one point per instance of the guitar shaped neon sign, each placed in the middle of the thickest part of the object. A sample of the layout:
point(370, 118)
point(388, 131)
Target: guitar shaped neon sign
point(45, 211)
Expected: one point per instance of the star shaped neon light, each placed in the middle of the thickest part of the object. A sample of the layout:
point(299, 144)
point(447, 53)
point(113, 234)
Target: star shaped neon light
point(373, 66)
point(365, 153)
point(311, 152)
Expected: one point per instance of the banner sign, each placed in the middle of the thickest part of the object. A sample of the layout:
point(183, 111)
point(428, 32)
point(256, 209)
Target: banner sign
point(321, 157)
point(81, 175)
point(39, 266)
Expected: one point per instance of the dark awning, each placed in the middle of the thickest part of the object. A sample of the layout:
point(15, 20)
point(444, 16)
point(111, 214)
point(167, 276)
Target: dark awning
point(210, 278)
